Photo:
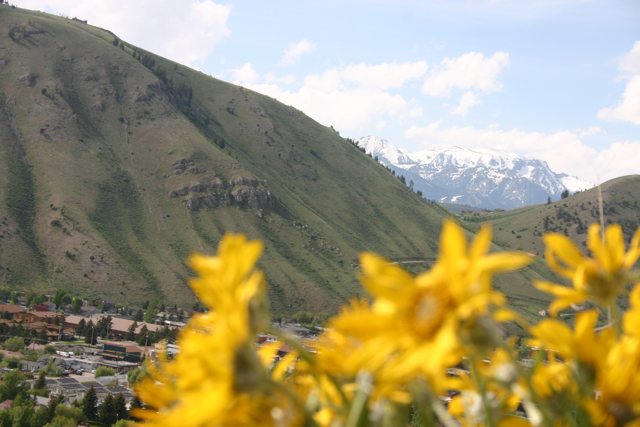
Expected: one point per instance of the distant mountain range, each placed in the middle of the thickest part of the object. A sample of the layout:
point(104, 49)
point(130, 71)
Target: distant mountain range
point(481, 178)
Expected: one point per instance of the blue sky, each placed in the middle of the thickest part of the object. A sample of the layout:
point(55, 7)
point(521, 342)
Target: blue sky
point(557, 80)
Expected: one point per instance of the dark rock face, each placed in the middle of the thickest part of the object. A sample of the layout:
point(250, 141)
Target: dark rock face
point(253, 197)
point(240, 196)
point(212, 192)
point(153, 90)
point(27, 80)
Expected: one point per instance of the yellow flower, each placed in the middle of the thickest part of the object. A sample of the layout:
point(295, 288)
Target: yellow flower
point(582, 345)
point(617, 379)
point(553, 378)
point(494, 406)
point(601, 278)
point(218, 378)
point(411, 329)
point(607, 370)
point(617, 398)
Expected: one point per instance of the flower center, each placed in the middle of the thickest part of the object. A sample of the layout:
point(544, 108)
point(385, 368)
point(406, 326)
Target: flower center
point(427, 312)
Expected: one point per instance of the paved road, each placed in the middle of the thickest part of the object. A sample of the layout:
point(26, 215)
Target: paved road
point(84, 378)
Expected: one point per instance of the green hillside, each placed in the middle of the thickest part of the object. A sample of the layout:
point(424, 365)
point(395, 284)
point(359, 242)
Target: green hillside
point(522, 228)
point(117, 163)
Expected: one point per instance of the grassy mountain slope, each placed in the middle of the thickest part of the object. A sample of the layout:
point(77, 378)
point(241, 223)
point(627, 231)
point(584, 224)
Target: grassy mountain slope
point(523, 228)
point(117, 163)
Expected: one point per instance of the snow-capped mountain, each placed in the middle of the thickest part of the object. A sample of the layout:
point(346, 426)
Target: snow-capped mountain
point(480, 177)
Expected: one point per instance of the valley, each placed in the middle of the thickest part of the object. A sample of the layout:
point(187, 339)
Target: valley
point(117, 164)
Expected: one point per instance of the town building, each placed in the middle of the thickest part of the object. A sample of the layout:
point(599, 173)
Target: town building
point(106, 303)
point(48, 317)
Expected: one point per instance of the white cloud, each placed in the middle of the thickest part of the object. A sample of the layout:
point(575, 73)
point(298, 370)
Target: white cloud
point(352, 97)
point(185, 32)
point(593, 130)
point(288, 79)
point(296, 50)
point(630, 63)
point(470, 71)
point(467, 100)
point(384, 76)
point(415, 112)
point(346, 110)
point(621, 157)
point(245, 74)
point(328, 81)
point(563, 151)
point(629, 108)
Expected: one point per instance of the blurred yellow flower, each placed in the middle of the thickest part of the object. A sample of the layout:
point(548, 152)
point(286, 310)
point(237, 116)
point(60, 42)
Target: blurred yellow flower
point(601, 278)
point(617, 392)
point(218, 378)
point(494, 405)
point(412, 327)
point(583, 345)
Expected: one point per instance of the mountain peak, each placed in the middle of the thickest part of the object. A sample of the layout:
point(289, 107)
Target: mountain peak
point(478, 177)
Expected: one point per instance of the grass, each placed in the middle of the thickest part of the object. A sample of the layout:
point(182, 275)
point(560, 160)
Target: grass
point(570, 216)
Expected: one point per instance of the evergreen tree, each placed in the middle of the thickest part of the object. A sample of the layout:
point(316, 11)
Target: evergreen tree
point(89, 404)
point(40, 382)
point(42, 336)
point(135, 403)
point(139, 315)
point(142, 336)
point(103, 327)
point(131, 332)
point(81, 328)
point(90, 334)
point(107, 411)
point(120, 407)
point(54, 401)
point(39, 417)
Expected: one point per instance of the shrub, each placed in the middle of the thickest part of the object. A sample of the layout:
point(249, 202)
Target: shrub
point(14, 344)
point(104, 371)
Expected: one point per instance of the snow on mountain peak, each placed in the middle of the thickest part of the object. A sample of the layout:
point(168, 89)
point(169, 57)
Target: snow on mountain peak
point(491, 178)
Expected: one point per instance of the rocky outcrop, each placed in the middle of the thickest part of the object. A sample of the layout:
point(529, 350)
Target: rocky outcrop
point(212, 192)
point(247, 181)
point(153, 90)
point(185, 165)
point(252, 197)
point(239, 196)
point(27, 80)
